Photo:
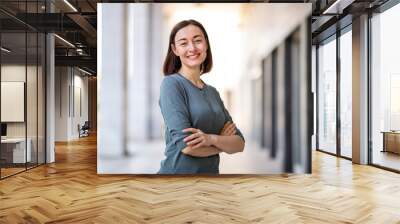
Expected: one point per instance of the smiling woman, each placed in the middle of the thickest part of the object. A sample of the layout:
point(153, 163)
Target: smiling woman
point(198, 126)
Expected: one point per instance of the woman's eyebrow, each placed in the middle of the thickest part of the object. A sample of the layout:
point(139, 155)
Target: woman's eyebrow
point(182, 39)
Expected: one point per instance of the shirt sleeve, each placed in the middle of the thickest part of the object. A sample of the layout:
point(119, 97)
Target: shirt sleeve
point(174, 110)
point(228, 116)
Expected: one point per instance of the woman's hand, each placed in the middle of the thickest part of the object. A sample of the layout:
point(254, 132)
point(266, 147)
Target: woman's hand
point(198, 138)
point(228, 129)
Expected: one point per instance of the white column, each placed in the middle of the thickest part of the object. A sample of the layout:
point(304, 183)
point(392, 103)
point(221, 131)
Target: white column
point(139, 71)
point(360, 90)
point(110, 81)
point(157, 60)
point(50, 99)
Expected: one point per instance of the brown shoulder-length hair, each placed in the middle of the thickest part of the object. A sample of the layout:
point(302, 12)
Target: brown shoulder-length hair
point(172, 62)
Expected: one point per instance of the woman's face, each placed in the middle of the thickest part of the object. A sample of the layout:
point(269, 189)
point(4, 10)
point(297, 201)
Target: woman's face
point(190, 46)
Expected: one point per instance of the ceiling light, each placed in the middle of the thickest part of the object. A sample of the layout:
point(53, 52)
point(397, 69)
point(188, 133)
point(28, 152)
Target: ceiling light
point(70, 5)
point(337, 7)
point(64, 40)
point(5, 50)
point(84, 71)
point(79, 51)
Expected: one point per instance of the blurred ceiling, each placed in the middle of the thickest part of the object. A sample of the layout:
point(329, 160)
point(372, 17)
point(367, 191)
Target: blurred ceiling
point(75, 21)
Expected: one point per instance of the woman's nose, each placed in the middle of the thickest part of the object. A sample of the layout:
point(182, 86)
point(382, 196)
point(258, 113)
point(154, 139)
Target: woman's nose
point(191, 46)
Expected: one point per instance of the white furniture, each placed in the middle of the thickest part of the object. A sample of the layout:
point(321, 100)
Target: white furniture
point(19, 149)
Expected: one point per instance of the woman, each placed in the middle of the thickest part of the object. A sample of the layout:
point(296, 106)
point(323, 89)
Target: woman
point(197, 125)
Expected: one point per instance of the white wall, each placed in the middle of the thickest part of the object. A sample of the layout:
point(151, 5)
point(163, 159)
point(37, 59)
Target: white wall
point(61, 103)
point(70, 84)
point(81, 104)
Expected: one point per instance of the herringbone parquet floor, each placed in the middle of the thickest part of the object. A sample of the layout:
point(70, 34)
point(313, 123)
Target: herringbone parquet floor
point(70, 191)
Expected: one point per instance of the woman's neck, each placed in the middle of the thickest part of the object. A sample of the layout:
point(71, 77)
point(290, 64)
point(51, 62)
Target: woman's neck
point(192, 74)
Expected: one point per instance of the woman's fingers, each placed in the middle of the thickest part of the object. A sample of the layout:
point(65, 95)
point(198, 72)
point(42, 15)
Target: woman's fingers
point(223, 129)
point(198, 145)
point(231, 126)
point(233, 132)
point(226, 125)
point(195, 141)
point(193, 130)
point(231, 129)
point(192, 136)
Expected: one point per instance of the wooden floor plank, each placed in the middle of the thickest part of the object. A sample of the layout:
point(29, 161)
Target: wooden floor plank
point(70, 191)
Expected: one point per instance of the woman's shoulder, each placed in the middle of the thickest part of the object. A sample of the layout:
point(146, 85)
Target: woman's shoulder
point(171, 83)
point(170, 80)
point(213, 89)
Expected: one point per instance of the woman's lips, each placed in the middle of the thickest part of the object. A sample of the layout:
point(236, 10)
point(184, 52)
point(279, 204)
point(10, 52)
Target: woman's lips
point(194, 56)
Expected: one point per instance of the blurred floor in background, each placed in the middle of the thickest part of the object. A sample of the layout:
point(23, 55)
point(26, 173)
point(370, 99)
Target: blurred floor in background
point(253, 160)
point(145, 158)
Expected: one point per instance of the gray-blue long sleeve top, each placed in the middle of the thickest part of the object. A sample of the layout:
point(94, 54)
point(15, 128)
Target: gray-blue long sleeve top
point(184, 105)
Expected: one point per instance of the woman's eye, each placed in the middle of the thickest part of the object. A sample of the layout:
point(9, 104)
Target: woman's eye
point(183, 44)
point(197, 41)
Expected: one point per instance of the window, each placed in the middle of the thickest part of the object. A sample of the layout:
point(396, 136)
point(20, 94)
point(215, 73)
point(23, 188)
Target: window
point(346, 93)
point(327, 96)
point(385, 88)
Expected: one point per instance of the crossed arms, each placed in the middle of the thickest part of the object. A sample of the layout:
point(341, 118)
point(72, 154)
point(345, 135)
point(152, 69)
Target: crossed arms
point(200, 144)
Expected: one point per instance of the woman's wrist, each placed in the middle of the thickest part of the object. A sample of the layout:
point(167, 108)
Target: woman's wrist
point(213, 139)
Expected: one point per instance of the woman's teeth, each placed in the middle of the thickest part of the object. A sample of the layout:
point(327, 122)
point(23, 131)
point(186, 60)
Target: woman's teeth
point(193, 56)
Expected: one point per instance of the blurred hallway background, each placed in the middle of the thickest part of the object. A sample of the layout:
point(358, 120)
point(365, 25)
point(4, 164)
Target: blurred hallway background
point(261, 70)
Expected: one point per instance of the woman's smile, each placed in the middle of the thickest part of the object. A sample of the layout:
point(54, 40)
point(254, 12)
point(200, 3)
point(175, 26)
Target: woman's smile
point(193, 56)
